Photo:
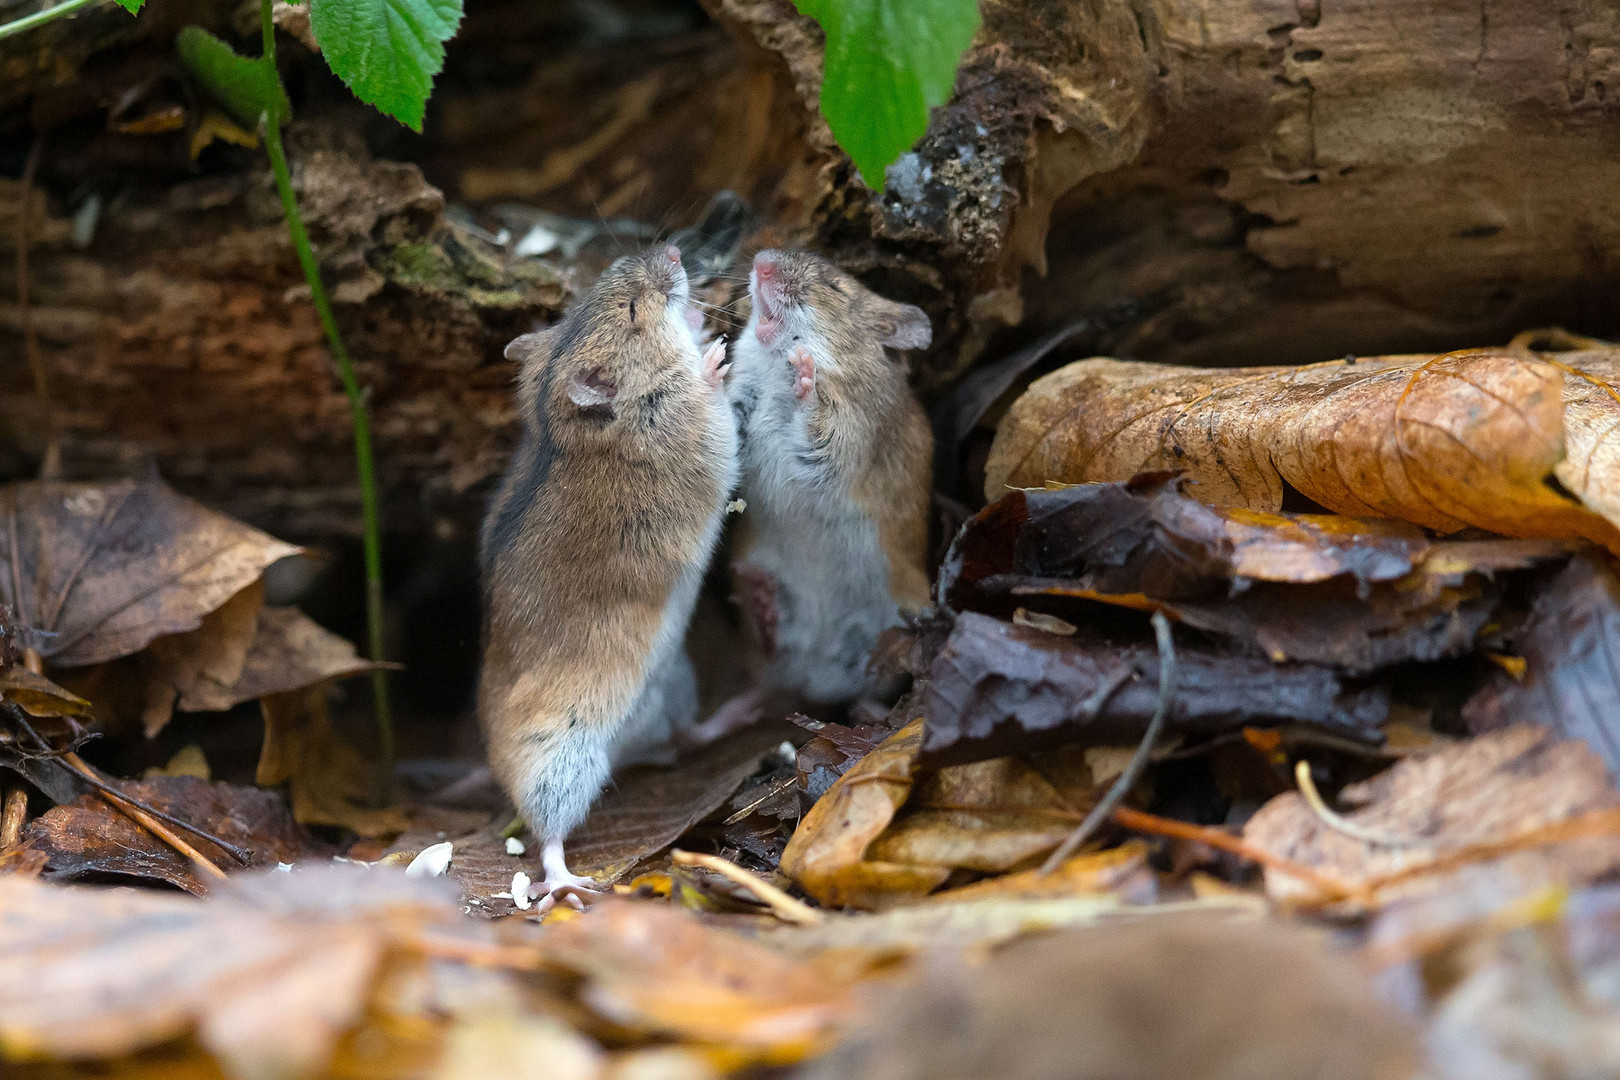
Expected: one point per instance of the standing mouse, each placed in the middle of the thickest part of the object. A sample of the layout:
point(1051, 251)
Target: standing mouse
point(837, 466)
point(596, 543)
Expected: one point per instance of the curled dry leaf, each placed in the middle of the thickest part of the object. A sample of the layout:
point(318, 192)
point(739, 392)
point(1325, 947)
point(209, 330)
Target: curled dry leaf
point(89, 839)
point(267, 975)
point(998, 688)
point(883, 835)
point(1482, 795)
point(661, 969)
point(1468, 438)
point(827, 855)
point(1571, 648)
point(99, 571)
point(1357, 593)
point(179, 666)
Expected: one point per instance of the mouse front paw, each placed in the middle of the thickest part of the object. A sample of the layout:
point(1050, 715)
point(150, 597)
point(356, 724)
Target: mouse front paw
point(804, 372)
point(575, 891)
point(715, 367)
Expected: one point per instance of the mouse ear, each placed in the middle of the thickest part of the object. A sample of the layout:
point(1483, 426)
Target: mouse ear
point(591, 389)
point(904, 326)
point(530, 345)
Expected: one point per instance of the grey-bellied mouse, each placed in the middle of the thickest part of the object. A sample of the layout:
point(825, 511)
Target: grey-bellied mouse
point(596, 543)
point(836, 462)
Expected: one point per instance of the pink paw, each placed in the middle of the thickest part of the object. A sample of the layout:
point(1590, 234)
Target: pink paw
point(804, 372)
point(715, 367)
point(571, 889)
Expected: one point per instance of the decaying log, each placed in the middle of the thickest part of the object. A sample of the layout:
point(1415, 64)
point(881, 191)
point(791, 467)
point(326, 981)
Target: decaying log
point(1250, 182)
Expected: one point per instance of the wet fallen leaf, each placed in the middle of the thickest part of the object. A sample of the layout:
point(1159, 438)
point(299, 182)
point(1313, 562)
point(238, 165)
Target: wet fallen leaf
point(89, 839)
point(1180, 996)
point(267, 975)
point(328, 781)
point(1357, 593)
point(827, 855)
point(829, 755)
point(99, 571)
point(656, 968)
point(1468, 438)
point(1571, 655)
point(1440, 806)
point(997, 688)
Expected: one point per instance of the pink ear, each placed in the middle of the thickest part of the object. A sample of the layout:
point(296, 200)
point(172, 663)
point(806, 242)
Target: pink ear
point(912, 330)
point(528, 345)
point(592, 389)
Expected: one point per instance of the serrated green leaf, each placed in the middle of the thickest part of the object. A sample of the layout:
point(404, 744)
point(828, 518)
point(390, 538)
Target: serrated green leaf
point(386, 51)
point(248, 88)
point(131, 6)
point(887, 63)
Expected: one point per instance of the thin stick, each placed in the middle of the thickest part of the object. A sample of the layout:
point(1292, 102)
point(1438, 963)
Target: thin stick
point(1133, 770)
point(782, 905)
point(1336, 821)
point(358, 416)
point(1154, 825)
point(51, 464)
point(13, 816)
point(147, 821)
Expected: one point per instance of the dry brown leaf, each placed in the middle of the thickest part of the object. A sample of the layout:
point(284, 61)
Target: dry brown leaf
point(290, 651)
point(660, 969)
point(827, 855)
point(267, 975)
point(179, 666)
point(38, 696)
point(102, 570)
point(1467, 438)
point(1122, 870)
point(88, 838)
point(328, 782)
point(1480, 794)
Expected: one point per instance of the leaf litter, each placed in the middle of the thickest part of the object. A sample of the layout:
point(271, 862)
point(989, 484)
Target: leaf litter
point(1376, 832)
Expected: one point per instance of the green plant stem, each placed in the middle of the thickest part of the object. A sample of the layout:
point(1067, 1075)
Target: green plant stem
point(39, 18)
point(358, 415)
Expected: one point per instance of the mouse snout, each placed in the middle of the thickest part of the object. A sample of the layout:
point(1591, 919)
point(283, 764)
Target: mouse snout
point(674, 255)
point(769, 295)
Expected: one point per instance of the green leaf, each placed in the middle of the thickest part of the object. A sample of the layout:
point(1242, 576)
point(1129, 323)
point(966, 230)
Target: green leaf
point(131, 6)
point(887, 63)
point(247, 88)
point(386, 51)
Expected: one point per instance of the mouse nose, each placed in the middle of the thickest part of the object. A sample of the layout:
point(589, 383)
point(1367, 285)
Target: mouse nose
point(674, 254)
point(766, 265)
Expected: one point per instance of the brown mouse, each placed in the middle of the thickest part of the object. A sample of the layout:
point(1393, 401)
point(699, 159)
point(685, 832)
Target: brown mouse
point(836, 463)
point(596, 542)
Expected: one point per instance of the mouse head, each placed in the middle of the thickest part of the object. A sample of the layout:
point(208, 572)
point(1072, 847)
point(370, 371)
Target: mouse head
point(799, 297)
point(615, 345)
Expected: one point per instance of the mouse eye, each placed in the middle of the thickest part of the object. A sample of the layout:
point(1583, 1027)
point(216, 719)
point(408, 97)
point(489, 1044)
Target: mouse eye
point(632, 311)
point(836, 287)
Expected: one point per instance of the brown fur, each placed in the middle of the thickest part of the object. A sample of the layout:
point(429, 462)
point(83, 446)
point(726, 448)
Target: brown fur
point(874, 432)
point(604, 508)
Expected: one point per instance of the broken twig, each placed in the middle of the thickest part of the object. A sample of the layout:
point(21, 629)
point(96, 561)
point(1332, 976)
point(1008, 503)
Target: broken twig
point(782, 905)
